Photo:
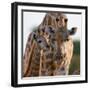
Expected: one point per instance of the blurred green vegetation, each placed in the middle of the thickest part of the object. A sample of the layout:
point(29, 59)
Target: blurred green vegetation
point(75, 63)
point(77, 47)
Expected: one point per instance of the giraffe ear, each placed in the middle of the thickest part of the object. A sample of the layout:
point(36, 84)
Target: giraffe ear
point(73, 31)
point(34, 36)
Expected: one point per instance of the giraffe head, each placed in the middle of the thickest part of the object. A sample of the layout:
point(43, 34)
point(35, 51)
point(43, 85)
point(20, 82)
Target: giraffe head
point(55, 19)
point(41, 42)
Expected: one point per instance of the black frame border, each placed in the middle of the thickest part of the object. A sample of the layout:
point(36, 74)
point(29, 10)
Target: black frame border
point(14, 43)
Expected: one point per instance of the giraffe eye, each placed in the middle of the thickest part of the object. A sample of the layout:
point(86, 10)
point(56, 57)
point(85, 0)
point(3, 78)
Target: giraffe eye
point(57, 19)
point(66, 20)
point(39, 41)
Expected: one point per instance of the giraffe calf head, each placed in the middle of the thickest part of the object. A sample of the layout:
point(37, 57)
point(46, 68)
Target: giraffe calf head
point(41, 42)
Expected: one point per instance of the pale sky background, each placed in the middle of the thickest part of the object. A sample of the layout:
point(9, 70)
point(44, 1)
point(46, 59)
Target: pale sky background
point(33, 19)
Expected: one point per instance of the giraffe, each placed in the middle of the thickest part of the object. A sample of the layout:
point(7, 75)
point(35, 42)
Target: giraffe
point(50, 29)
point(61, 56)
point(59, 21)
point(64, 54)
point(35, 56)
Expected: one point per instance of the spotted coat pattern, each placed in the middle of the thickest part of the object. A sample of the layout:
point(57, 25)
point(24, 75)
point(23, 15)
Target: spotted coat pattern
point(54, 62)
